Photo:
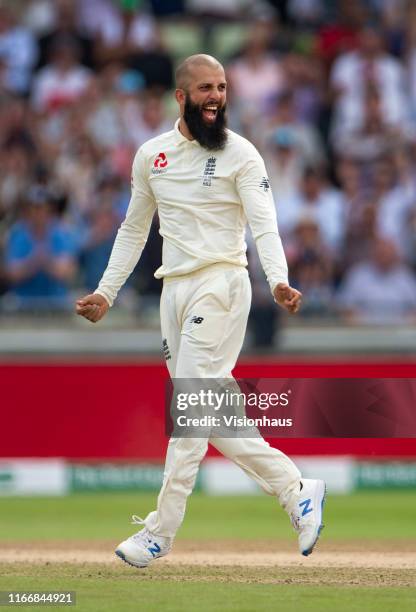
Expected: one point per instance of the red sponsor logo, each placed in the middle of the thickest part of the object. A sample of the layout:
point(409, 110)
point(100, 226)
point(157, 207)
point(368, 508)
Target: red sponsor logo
point(161, 161)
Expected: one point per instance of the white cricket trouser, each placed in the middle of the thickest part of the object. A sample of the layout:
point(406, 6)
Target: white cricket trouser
point(203, 320)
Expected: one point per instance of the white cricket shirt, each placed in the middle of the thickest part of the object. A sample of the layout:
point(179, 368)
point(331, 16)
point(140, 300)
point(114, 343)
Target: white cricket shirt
point(204, 200)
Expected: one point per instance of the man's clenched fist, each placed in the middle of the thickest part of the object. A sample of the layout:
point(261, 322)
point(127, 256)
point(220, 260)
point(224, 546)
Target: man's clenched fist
point(287, 297)
point(93, 307)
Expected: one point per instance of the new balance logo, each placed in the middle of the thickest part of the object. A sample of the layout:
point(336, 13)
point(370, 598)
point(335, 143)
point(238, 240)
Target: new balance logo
point(197, 320)
point(306, 508)
point(166, 350)
point(265, 183)
point(154, 549)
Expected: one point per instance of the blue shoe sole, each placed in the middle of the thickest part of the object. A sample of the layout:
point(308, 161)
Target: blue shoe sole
point(123, 558)
point(306, 553)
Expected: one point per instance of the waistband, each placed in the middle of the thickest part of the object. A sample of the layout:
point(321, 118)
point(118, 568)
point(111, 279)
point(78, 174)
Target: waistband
point(220, 265)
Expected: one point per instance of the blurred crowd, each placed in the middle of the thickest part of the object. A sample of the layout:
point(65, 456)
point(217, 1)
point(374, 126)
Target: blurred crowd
point(325, 89)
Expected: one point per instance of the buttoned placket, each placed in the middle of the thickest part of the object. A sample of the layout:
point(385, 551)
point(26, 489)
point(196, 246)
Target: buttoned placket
point(188, 148)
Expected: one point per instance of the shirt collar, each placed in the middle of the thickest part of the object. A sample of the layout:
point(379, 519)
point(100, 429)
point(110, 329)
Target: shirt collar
point(180, 138)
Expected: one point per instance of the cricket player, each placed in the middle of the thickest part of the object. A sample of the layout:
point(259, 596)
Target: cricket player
point(206, 182)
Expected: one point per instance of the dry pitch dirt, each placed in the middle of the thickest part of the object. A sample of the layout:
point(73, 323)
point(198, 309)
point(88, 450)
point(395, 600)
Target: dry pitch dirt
point(371, 563)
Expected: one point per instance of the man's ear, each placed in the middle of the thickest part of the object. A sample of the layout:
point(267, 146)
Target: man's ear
point(180, 96)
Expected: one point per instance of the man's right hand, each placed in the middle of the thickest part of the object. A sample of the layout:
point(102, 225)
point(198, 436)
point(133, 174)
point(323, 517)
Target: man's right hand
point(93, 307)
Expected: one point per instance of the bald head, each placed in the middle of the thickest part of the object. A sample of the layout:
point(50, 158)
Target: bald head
point(188, 70)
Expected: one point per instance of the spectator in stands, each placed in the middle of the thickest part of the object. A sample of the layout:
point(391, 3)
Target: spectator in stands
point(284, 115)
point(354, 189)
point(311, 266)
point(305, 79)
point(102, 226)
point(129, 34)
point(40, 257)
point(66, 27)
point(339, 34)
point(359, 212)
point(285, 164)
point(369, 67)
point(16, 175)
point(155, 64)
point(381, 290)
point(16, 125)
point(121, 28)
point(151, 121)
point(257, 76)
point(103, 123)
point(370, 136)
point(18, 53)
point(319, 201)
point(128, 92)
point(62, 81)
point(77, 170)
point(394, 16)
point(394, 202)
point(306, 14)
point(112, 114)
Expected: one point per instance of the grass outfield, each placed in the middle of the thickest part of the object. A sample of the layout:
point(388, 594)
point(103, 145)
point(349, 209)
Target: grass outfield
point(371, 516)
point(127, 593)
point(379, 523)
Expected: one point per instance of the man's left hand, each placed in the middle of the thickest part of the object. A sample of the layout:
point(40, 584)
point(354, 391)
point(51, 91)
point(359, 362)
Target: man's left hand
point(287, 297)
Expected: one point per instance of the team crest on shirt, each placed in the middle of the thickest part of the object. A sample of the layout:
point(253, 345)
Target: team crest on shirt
point(265, 183)
point(160, 164)
point(209, 171)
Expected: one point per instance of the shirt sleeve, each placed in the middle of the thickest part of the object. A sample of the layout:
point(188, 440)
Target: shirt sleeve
point(253, 187)
point(132, 235)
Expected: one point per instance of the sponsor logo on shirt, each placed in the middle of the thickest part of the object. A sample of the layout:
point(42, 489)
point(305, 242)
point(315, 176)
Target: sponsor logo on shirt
point(209, 171)
point(160, 164)
point(265, 183)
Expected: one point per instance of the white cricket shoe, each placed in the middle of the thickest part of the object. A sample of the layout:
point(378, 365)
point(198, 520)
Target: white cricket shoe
point(306, 514)
point(143, 547)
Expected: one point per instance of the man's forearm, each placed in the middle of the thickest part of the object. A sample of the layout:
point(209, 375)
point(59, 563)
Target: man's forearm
point(272, 258)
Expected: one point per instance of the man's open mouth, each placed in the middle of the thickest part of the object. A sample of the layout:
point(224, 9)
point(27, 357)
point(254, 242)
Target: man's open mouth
point(209, 112)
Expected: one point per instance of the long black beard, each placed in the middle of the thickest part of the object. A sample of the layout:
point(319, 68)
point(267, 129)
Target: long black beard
point(211, 137)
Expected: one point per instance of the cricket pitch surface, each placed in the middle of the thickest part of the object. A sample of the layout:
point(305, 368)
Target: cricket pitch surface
point(371, 563)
